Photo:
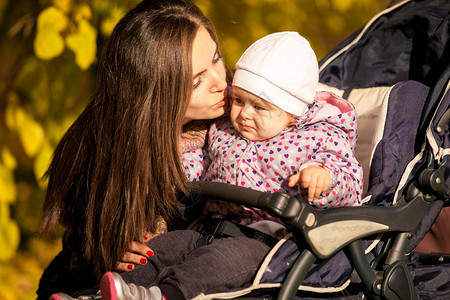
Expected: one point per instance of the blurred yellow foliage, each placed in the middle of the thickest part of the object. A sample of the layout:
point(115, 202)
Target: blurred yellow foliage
point(9, 231)
point(82, 12)
point(49, 42)
point(64, 5)
point(31, 135)
point(7, 185)
point(8, 159)
point(30, 132)
point(205, 6)
point(52, 18)
point(41, 164)
point(343, 5)
point(83, 44)
point(114, 15)
point(19, 278)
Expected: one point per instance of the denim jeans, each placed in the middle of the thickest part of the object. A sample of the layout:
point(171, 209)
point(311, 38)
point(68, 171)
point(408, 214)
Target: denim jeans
point(225, 264)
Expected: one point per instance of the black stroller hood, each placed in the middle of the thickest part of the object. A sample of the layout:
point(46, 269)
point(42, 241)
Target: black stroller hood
point(408, 41)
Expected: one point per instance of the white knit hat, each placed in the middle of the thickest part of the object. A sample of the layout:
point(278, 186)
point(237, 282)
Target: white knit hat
point(280, 68)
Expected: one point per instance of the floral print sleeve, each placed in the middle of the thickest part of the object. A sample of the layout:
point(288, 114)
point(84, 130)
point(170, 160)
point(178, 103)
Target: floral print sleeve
point(335, 140)
point(195, 163)
point(330, 151)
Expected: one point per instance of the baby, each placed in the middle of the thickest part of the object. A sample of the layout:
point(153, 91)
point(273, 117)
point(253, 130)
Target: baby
point(280, 132)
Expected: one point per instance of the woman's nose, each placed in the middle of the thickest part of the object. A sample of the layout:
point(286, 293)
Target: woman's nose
point(219, 83)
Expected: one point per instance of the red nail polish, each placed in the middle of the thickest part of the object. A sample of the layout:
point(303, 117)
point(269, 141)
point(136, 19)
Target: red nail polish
point(150, 253)
point(130, 267)
point(143, 261)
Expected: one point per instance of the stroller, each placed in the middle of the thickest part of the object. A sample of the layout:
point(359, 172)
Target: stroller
point(396, 72)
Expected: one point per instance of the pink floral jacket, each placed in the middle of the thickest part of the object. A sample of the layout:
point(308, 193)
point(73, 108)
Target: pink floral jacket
point(325, 135)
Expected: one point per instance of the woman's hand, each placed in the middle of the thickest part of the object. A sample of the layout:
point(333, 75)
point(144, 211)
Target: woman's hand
point(314, 178)
point(137, 255)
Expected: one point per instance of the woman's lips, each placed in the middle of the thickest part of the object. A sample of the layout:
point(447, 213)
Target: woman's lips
point(221, 103)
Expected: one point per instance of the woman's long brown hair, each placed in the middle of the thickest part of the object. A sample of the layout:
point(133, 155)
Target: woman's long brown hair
point(117, 167)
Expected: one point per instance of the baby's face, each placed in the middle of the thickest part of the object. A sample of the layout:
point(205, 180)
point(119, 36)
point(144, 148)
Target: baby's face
point(255, 118)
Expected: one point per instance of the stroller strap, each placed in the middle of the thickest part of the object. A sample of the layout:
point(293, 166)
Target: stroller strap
point(220, 228)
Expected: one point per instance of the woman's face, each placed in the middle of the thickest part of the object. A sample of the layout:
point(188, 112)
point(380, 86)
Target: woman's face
point(209, 96)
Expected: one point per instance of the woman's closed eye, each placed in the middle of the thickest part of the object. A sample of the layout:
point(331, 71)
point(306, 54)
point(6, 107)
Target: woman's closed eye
point(197, 82)
point(217, 58)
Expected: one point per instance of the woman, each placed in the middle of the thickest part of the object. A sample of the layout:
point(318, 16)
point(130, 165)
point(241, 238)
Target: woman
point(117, 170)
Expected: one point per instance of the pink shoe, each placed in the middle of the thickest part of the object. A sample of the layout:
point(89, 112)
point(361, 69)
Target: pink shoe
point(108, 286)
point(113, 287)
point(61, 296)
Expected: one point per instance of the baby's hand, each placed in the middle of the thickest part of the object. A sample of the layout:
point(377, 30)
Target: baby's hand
point(314, 178)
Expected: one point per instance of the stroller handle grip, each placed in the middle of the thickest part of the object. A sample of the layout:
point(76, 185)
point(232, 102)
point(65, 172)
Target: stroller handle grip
point(278, 204)
point(227, 192)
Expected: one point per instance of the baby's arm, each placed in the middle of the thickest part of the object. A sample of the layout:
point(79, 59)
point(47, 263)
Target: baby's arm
point(315, 179)
point(195, 163)
point(335, 155)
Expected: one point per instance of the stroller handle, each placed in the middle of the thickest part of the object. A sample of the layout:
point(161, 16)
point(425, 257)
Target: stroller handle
point(325, 231)
point(227, 192)
point(288, 208)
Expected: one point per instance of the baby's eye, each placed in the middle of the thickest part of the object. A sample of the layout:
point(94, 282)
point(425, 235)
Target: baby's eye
point(259, 107)
point(238, 101)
